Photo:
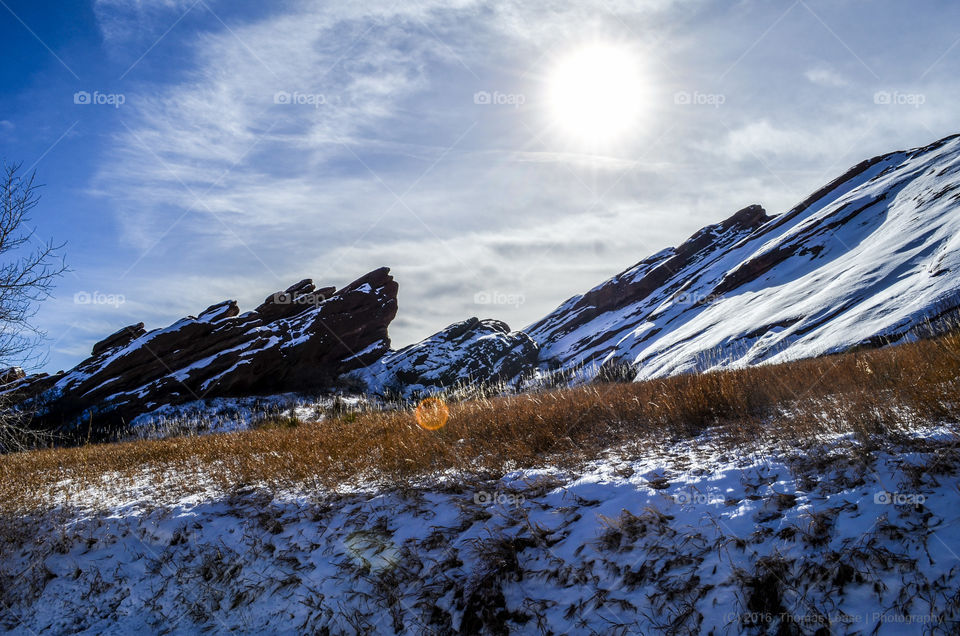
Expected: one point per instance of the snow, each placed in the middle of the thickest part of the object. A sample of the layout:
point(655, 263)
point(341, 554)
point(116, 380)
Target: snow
point(371, 348)
point(221, 415)
point(872, 257)
point(691, 534)
point(685, 536)
point(470, 352)
point(217, 415)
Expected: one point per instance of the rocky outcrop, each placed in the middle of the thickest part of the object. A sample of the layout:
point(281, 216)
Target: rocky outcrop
point(119, 338)
point(860, 262)
point(303, 338)
point(569, 335)
point(471, 352)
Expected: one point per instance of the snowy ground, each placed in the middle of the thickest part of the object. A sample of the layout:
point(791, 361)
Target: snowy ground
point(220, 415)
point(687, 539)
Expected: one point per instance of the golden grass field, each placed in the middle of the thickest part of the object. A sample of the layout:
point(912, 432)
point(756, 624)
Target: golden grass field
point(873, 394)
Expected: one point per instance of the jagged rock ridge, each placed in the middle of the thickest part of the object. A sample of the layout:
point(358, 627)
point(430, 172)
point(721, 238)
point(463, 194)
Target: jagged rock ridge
point(300, 339)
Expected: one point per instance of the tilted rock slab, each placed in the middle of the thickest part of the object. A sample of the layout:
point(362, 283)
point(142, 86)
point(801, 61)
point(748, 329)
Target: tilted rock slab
point(869, 259)
point(301, 339)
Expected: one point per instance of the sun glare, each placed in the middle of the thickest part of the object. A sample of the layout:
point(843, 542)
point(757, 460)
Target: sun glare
point(596, 93)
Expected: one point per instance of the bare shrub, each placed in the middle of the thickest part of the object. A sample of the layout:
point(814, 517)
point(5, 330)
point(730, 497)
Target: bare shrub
point(28, 269)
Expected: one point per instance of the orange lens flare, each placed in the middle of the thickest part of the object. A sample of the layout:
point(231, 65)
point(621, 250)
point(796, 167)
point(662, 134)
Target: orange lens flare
point(432, 413)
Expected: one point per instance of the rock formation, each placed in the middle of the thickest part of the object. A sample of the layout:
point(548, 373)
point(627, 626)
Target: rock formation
point(475, 352)
point(300, 339)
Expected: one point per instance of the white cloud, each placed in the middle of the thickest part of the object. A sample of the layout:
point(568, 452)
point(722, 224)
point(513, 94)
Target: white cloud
point(267, 167)
point(124, 20)
point(826, 77)
point(760, 140)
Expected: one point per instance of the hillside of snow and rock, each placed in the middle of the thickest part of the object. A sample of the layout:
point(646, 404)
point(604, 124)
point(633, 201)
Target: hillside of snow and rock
point(864, 260)
point(688, 538)
point(867, 260)
point(469, 351)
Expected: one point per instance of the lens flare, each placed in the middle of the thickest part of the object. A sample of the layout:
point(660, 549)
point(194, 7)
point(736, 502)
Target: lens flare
point(432, 414)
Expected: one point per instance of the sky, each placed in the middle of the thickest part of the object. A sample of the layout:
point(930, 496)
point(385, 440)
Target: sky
point(197, 150)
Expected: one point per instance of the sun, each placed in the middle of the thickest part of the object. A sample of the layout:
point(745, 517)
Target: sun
point(596, 93)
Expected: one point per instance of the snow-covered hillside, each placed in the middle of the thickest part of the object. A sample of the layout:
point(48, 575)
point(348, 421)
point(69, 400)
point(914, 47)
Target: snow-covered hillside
point(469, 352)
point(868, 259)
point(687, 539)
point(862, 261)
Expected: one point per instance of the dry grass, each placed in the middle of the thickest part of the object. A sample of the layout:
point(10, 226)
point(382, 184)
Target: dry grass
point(872, 394)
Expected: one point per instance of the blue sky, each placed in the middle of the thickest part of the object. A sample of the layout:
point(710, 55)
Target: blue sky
point(228, 149)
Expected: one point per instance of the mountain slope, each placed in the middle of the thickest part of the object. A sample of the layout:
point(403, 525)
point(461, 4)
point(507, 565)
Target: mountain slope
point(864, 260)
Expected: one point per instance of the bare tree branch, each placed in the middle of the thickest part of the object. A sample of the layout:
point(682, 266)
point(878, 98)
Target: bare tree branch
point(27, 276)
